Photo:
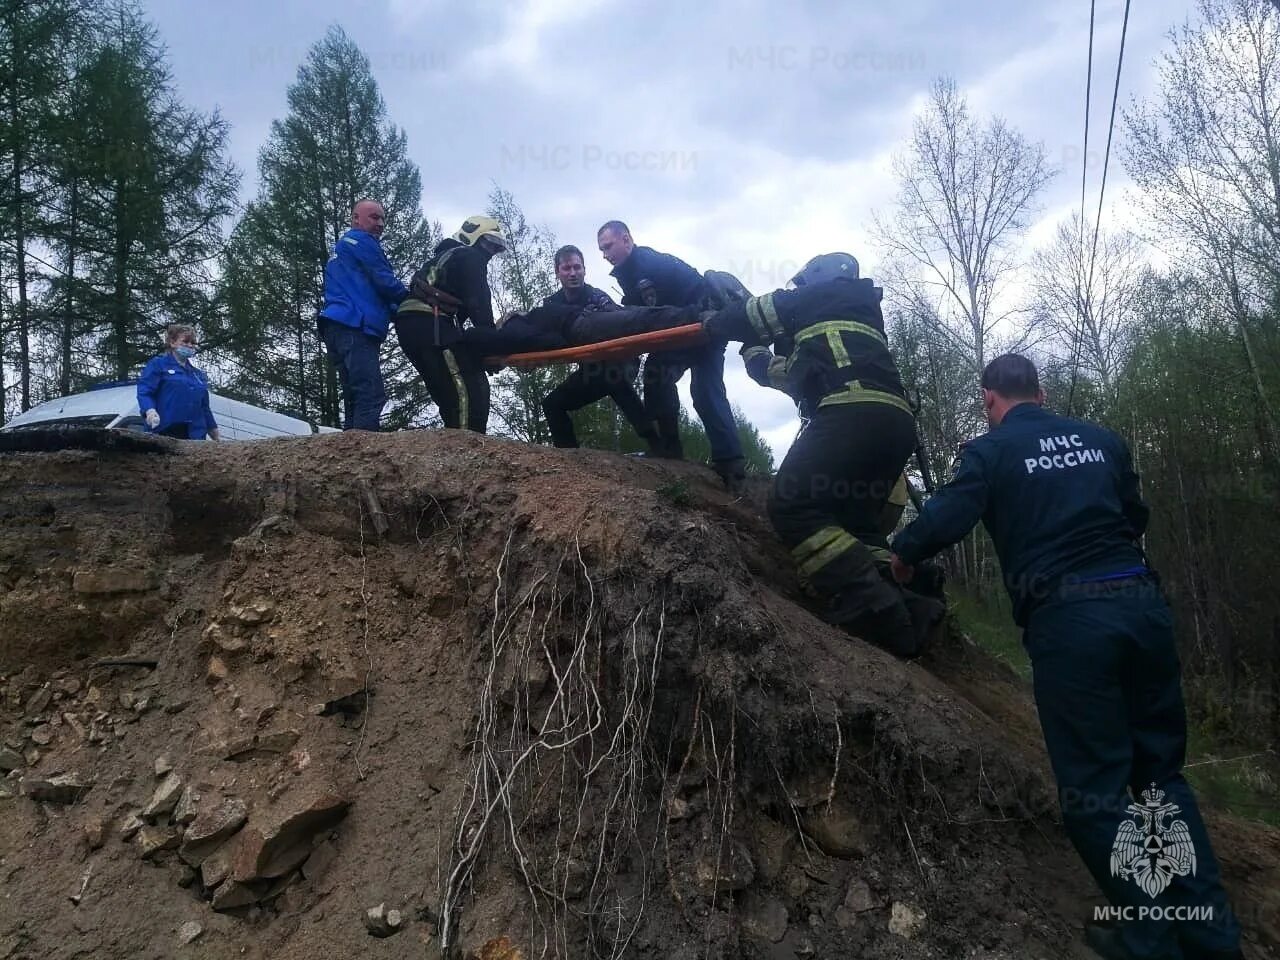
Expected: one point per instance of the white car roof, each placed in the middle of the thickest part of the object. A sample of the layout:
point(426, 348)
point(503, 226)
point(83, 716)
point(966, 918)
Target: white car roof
point(240, 421)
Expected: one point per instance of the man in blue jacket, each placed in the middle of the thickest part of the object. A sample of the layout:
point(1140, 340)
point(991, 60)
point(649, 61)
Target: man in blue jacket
point(361, 292)
point(1060, 500)
point(676, 284)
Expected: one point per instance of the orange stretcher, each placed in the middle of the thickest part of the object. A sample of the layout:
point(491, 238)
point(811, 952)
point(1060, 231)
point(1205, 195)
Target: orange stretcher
point(623, 348)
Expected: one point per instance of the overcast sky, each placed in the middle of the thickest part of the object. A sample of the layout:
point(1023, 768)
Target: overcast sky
point(741, 136)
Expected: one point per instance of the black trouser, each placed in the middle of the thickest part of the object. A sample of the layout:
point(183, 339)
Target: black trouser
point(829, 496)
point(179, 431)
point(586, 385)
point(454, 376)
point(1109, 694)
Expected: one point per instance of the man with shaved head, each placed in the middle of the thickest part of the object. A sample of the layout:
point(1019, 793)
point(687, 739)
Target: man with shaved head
point(650, 278)
point(361, 292)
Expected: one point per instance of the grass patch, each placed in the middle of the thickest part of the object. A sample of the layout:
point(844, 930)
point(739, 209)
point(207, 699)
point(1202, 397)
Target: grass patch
point(990, 625)
point(1224, 776)
point(1238, 781)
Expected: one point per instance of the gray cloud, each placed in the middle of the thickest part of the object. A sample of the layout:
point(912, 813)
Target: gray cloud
point(738, 135)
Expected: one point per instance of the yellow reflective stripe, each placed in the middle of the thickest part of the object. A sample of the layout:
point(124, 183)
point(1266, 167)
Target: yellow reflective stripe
point(830, 552)
point(756, 317)
point(840, 326)
point(835, 340)
point(816, 542)
point(880, 554)
point(464, 406)
point(860, 394)
point(779, 370)
point(771, 314)
point(437, 268)
point(414, 305)
point(764, 317)
point(898, 496)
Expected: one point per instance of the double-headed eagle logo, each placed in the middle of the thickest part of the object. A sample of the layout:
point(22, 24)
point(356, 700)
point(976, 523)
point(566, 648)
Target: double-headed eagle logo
point(1149, 850)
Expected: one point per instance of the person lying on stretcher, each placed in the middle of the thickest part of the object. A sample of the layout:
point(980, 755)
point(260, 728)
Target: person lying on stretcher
point(552, 327)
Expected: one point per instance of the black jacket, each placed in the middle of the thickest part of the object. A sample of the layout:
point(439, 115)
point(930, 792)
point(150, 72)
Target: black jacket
point(676, 283)
point(1058, 496)
point(459, 270)
point(835, 330)
point(585, 297)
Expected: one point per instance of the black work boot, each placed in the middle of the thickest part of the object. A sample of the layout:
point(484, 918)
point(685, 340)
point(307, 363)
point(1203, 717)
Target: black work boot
point(928, 618)
point(873, 610)
point(929, 580)
point(651, 437)
point(889, 629)
point(733, 473)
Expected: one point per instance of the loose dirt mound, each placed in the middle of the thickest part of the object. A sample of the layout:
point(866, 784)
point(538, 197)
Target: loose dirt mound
point(527, 702)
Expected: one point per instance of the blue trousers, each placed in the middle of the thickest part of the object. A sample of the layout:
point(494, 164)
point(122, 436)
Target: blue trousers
point(1108, 690)
point(663, 370)
point(355, 354)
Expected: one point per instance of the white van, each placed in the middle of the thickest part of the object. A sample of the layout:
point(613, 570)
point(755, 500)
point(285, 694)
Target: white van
point(116, 406)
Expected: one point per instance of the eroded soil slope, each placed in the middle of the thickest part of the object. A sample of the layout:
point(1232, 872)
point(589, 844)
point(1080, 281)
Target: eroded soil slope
point(528, 702)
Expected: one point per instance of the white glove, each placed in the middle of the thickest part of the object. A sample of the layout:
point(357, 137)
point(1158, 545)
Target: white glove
point(153, 419)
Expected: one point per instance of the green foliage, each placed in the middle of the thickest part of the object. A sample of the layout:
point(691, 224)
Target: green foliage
point(755, 450)
point(122, 187)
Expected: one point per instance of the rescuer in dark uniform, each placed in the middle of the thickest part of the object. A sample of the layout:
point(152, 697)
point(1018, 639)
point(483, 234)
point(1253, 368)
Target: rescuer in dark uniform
point(1060, 499)
point(429, 327)
point(830, 492)
point(673, 283)
point(593, 380)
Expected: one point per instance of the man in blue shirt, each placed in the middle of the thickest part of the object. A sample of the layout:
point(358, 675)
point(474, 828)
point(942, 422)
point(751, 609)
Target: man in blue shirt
point(1060, 500)
point(361, 292)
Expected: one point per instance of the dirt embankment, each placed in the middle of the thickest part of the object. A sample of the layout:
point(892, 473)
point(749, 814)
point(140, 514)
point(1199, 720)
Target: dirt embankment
point(518, 702)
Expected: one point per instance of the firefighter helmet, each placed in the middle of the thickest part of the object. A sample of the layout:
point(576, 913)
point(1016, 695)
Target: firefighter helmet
point(475, 229)
point(824, 267)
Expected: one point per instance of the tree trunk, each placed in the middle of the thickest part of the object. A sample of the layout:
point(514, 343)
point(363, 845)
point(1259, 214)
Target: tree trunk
point(120, 291)
point(68, 319)
point(1269, 439)
point(3, 388)
point(17, 156)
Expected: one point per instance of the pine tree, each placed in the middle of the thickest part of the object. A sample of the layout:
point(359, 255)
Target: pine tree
point(336, 146)
point(156, 188)
point(34, 38)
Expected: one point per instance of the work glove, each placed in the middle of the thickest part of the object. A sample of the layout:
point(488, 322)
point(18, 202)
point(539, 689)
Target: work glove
point(153, 419)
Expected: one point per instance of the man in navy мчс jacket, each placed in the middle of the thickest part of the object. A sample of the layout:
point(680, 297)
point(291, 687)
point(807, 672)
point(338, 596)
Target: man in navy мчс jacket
point(1061, 501)
point(361, 291)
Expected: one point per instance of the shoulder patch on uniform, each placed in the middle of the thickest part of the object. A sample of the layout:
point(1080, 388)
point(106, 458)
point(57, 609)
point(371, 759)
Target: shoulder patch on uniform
point(351, 240)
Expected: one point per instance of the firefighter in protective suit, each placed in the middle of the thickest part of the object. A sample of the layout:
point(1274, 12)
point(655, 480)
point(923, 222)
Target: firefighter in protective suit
point(830, 495)
point(448, 293)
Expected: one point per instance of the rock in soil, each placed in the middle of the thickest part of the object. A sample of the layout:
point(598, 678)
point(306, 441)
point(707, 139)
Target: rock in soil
point(381, 922)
